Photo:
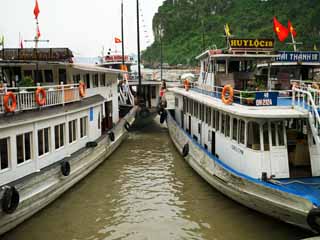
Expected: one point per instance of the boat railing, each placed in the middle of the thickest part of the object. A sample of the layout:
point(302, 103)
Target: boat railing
point(305, 100)
point(244, 97)
point(26, 96)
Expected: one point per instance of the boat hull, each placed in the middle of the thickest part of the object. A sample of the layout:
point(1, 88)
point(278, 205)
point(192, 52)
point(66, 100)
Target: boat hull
point(40, 189)
point(258, 196)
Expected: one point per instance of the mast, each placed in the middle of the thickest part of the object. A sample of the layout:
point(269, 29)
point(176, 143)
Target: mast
point(122, 35)
point(138, 43)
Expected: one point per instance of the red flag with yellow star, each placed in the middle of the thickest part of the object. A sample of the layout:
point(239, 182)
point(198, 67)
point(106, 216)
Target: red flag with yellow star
point(291, 29)
point(281, 31)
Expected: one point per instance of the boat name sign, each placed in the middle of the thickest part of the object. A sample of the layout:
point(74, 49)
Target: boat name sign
point(301, 56)
point(237, 149)
point(266, 99)
point(251, 43)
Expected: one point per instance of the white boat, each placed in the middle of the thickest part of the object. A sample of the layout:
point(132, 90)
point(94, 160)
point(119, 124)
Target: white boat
point(257, 145)
point(52, 135)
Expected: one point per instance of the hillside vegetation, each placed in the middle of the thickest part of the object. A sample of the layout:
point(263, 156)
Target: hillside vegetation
point(190, 26)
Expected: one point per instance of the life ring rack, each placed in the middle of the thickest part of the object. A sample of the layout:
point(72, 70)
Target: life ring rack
point(227, 100)
point(41, 96)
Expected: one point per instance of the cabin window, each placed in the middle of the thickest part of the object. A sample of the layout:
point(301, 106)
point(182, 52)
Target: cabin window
point(99, 121)
point(62, 75)
point(208, 116)
point(223, 122)
point(59, 133)
point(76, 78)
point(23, 147)
point(196, 111)
point(213, 119)
point(103, 79)
point(253, 136)
point(184, 105)
point(95, 80)
point(153, 92)
point(190, 107)
point(43, 141)
point(83, 126)
point(38, 76)
point(217, 120)
point(235, 129)
point(266, 137)
point(227, 133)
point(87, 80)
point(202, 112)
point(48, 76)
point(277, 134)
point(27, 73)
point(242, 127)
point(4, 153)
point(176, 102)
point(72, 131)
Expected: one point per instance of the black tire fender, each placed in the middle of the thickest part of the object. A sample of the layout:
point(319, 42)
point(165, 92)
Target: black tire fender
point(163, 117)
point(10, 199)
point(111, 136)
point(127, 126)
point(65, 168)
point(312, 219)
point(185, 150)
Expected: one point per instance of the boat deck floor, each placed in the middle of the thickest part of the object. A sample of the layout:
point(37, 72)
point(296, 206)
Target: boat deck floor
point(308, 187)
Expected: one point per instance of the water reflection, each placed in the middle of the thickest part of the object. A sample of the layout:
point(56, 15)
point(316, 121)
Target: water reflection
point(146, 191)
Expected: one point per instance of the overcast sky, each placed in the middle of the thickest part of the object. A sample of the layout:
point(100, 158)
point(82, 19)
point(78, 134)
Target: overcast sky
point(82, 25)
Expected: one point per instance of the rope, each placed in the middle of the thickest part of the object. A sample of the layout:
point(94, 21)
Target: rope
point(290, 182)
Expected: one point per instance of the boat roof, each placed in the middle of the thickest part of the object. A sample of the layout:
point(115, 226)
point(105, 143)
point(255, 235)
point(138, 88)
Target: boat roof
point(237, 55)
point(79, 66)
point(269, 112)
point(94, 68)
point(291, 64)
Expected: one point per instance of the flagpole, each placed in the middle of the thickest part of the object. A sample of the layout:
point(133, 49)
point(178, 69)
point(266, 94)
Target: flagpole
point(138, 43)
point(293, 42)
point(122, 34)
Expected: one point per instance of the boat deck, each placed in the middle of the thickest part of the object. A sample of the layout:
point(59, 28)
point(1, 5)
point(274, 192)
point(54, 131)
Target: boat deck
point(306, 187)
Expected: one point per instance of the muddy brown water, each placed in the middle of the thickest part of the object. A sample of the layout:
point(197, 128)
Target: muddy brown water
point(145, 190)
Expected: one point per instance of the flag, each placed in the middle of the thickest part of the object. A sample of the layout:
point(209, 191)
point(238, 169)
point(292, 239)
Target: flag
point(291, 29)
point(117, 40)
point(227, 30)
point(2, 41)
point(38, 32)
point(281, 31)
point(36, 10)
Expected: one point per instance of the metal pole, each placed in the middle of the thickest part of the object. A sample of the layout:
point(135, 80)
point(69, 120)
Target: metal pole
point(161, 56)
point(122, 35)
point(138, 42)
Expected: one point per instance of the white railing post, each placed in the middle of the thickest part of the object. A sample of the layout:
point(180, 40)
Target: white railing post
point(62, 93)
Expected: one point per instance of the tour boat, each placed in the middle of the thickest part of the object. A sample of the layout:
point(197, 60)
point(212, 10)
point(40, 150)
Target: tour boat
point(255, 143)
point(55, 133)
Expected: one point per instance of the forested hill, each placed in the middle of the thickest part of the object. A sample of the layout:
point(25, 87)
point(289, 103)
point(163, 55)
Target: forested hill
point(189, 26)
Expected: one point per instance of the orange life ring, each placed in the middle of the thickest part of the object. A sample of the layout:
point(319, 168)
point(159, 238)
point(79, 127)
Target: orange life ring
point(41, 96)
point(6, 98)
point(186, 85)
point(82, 89)
point(228, 100)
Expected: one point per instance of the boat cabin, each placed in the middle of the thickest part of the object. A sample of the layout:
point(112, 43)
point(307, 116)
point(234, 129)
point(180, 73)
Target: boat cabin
point(289, 66)
point(257, 131)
